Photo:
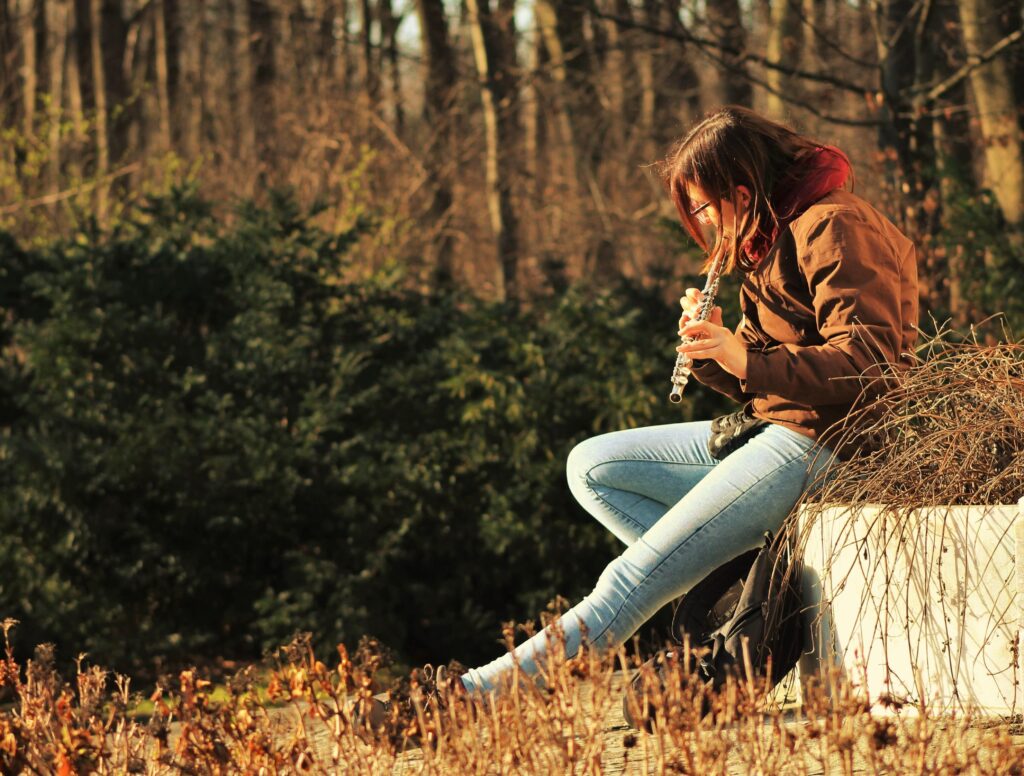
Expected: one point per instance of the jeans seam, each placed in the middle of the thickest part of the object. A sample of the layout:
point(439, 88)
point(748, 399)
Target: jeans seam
point(611, 506)
point(587, 479)
point(647, 460)
point(625, 600)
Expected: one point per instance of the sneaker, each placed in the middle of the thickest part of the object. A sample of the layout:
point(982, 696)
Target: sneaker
point(393, 713)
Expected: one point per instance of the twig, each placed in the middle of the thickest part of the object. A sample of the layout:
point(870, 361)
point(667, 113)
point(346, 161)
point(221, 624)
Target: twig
point(59, 196)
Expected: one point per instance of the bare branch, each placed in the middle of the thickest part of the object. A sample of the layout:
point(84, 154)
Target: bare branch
point(797, 7)
point(58, 196)
point(972, 64)
point(744, 57)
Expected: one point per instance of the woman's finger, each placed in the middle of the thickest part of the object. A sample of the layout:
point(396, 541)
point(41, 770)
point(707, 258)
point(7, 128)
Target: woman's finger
point(692, 296)
point(698, 346)
point(705, 328)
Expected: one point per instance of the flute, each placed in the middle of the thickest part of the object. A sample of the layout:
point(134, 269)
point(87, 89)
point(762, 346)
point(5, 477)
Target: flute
point(682, 370)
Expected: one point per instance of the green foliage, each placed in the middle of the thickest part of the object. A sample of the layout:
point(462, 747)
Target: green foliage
point(211, 439)
point(985, 255)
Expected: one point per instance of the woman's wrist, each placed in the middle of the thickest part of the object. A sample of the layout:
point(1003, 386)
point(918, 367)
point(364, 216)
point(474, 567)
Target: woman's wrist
point(735, 362)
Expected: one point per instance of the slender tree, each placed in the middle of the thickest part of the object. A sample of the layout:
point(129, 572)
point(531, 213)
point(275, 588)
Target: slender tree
point(615, 71)
point(533, 116)
point(242, 80)
point(7, 67)
point(74, 80)
point(726, 22)
point(57, 12)
point(369, 75)
point(785, 35)
point(161, 75)
point(99, 90)
point(190, 101)
point(547, 25)
point(439, 94)
point(267, 102)
point(25, 14)
point(984, 23)
point(339, 32)
point(491, 40)
point(389, 23)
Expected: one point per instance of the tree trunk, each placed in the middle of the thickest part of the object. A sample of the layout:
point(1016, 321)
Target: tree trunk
point(680, 97)
point(74, 87)
point(896, 56)
point(581, 128)
point(645, 72)
point(190, 76)
point(266, 102)
point(56, 37)
point(215, 54)
point(732, 85)
point(113, 35)
point(993, 89)
point(135, 72)
point(923, 192)
point(286, 81)
point(341, 61)
point(367, 67)
point(7, 49)
point(547, 24)
point(616, 72)
point(25, 13)
point(160, 72)
point(533, 118)
point(243, 81)
point(783, 46)
point(99, 88)
point(438, 97)
point(496, 84)
point(389, 34)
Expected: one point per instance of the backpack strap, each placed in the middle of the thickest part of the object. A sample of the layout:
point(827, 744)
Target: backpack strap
point(728, 432)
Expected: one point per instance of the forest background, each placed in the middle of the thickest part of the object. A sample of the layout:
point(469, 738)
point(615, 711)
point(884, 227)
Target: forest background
point(305, 302)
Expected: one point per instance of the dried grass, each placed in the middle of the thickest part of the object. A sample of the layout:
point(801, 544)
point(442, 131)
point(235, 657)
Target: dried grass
point(949, 430)
point(569, 723)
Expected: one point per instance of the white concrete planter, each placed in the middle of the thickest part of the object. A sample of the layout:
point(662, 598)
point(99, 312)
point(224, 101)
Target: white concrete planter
point(926, 608)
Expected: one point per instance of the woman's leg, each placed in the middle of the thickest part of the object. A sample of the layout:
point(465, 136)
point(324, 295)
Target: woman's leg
point(723, 515)
point(628, 479)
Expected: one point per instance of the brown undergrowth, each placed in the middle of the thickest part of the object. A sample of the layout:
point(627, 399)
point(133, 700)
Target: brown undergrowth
point(949, 430)
point(568, 722)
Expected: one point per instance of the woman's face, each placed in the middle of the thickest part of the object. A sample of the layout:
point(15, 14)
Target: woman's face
point(725, 216)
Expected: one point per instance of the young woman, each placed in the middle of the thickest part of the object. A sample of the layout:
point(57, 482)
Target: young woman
point(829, 291)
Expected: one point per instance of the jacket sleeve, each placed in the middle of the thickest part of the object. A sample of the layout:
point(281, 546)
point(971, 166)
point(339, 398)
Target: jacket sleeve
point(711, 374)
point(853, 275)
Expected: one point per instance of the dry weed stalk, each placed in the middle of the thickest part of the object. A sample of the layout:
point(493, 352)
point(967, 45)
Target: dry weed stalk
point(568, 722)
point(949, 430)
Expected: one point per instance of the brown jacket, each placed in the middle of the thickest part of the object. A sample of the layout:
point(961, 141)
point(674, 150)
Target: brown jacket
point(836, 294)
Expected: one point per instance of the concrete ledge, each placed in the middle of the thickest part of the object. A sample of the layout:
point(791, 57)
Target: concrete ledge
point(925, 607)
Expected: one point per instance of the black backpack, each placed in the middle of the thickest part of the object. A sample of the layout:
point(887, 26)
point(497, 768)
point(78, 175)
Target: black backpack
point(753, 597)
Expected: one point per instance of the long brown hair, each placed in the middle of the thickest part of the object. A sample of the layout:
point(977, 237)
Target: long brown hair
point(732, 147)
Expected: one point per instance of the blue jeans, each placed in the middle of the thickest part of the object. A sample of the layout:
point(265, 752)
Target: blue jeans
point(681, 512)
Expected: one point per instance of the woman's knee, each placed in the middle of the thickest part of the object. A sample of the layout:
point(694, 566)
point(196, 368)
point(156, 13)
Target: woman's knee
point(583, 458)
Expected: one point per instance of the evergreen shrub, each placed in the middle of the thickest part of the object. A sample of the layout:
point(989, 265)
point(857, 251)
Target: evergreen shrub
point(213, 436)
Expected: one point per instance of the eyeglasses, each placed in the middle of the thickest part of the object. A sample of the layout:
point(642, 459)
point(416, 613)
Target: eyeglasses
point(702, 216)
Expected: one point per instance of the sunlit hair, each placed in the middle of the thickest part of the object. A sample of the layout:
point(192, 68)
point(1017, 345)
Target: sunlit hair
point(732, 147)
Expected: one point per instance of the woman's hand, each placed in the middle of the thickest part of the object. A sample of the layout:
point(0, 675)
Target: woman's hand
point(690, 302)
point(713, 340)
